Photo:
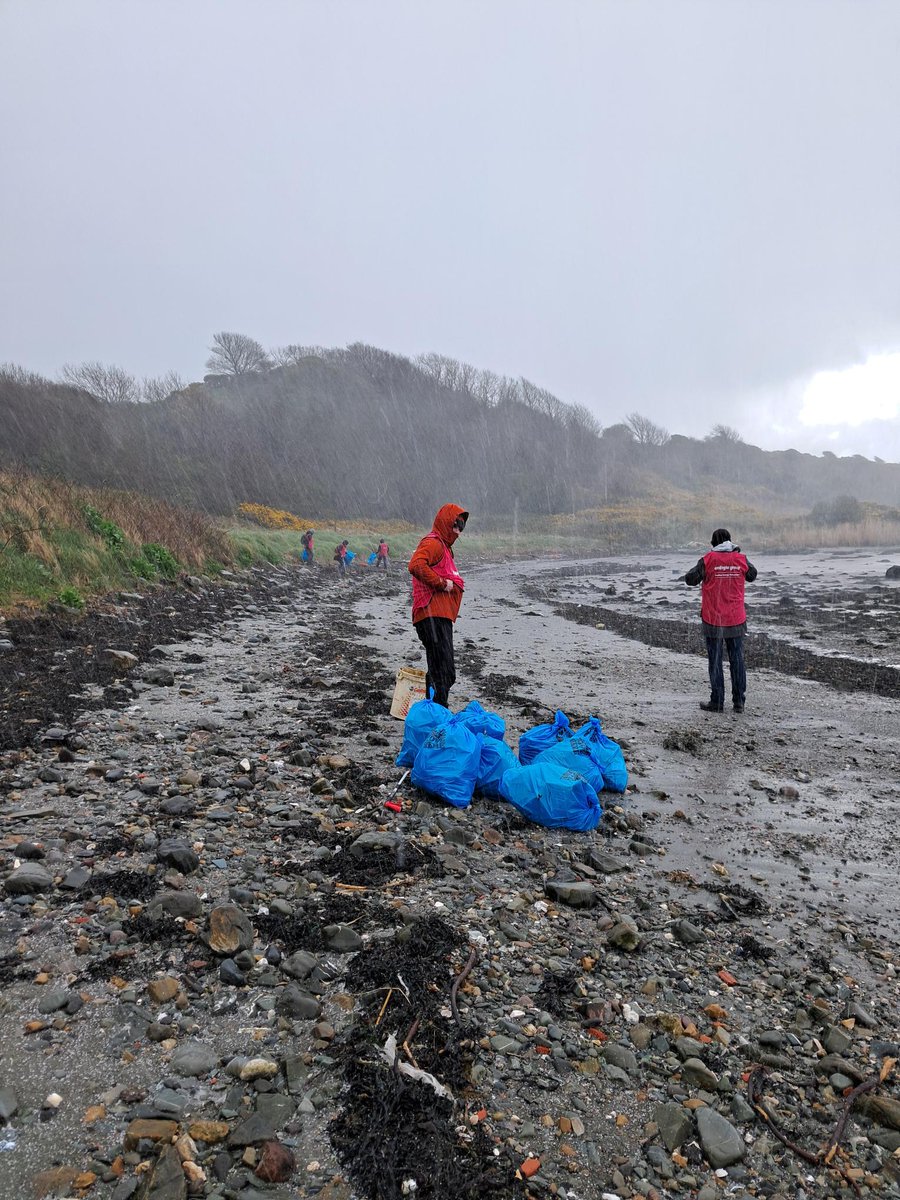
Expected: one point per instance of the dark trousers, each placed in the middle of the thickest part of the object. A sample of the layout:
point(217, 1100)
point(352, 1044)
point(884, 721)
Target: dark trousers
point(436, 635)
point(734, 648)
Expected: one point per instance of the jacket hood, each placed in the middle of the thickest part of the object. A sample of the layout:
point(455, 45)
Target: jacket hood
point(725, 548)
point(443, 522)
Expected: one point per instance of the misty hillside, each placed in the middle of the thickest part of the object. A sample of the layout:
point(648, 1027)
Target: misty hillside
point(360, 431)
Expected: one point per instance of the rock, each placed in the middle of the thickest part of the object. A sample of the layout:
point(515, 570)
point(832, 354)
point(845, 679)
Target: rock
point(258, 1068)
point(257, 1128)
point(176, 853)
point(141, 1130)
point(211, 1132)
point(687, 933)
point(674, 1124)
point(300, 964)
point(161, 676)
point(892, 572)
point(9, 1104)
point(231, 973)
point(28, 880)
point(53, 1001)
point(883, 1109)
point(375, 841)
point(624, 935)
point(229, 930)
point(575, 894)
point(166, 1179)
point(297, 1005)
point(276, 1163)
point(122, 658)
point(342, 938)
point(175, 904)
point(161, 991)
point(620, 1056)
point(837, 1040)
point(722, 1143)
point(695, 1071)
point(193, 1059)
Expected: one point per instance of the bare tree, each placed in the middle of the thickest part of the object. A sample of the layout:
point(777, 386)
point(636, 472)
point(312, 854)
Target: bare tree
point(236, 354)
point(158, 387)
point(724, 433)
point(293, 353)
point(646, 433)
point(109, 383)
point(13, 373)
point(580, 419)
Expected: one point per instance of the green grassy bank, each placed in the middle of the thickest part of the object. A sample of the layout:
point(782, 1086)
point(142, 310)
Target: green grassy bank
point(63, 543)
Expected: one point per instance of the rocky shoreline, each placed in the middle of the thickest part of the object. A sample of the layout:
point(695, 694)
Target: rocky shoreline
point(228, 971)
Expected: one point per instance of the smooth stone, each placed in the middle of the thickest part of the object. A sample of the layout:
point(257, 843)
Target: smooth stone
point(343, 938)
point(674, 1124)
point(297, 1005)
point(299, 964)
point(697, 1072)
point(28, 880)
point(722, 1143)
point(620, 1056)
point(193, 1059)
point(624, 935)
point(577, 894)
point(175, 904)
point(176, 853)
point(230, 930)
point(257, 1128)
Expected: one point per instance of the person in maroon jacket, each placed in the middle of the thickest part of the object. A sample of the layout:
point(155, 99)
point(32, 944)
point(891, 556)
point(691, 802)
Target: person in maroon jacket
point(722, 572)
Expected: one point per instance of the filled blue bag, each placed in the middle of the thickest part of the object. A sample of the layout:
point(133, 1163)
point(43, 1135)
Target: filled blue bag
point(305, 555)
point(475, 717)
point(447, 765)
point(542, 737)
point(578, 754)
point(372, 557)
point(607, 753)
point(496, 760)
point(349, 556)
point(422, 717)
point(552, 795)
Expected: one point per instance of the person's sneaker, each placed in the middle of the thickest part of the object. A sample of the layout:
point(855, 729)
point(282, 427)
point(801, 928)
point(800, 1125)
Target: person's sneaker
point(738, 708)
point(708, 706)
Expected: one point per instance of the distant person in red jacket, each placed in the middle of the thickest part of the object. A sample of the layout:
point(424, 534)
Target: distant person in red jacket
point(437, 594)
point(307, 543)
point(722, 573)
point(381, 555)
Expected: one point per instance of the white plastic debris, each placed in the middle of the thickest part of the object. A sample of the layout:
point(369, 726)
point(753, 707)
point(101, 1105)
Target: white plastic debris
point(389, 1050)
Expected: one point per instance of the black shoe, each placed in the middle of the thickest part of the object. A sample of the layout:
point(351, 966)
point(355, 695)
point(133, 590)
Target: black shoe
point(708, 706)
point(738, 708)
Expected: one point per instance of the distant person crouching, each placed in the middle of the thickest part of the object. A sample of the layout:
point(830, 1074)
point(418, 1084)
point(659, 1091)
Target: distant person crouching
point(437, 596)
point(722, 573)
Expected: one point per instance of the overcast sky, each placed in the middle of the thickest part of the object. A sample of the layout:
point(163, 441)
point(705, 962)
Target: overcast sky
point(688, 208)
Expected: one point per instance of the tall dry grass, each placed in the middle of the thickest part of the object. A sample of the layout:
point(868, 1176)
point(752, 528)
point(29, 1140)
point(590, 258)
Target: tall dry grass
point(34, 507)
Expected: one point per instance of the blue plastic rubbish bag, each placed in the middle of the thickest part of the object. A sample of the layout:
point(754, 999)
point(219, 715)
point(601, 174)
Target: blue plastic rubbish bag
point(578, 754)
point(372, 557)
point(305, 555)
point(607, 753)
point(349, 556)
point(422, 717)
point(475, 717)
point(447, 764)
point(496, 760)
point(542, 737)
point(552, 795)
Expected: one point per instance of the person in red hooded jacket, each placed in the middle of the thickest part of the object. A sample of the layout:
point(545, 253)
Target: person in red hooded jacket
point(722, 573)
point(437, 594)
